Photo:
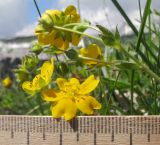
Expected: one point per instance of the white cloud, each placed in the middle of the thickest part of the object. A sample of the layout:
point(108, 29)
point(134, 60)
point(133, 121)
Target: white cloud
point(104, 12)
point(27, 31)
point(13, 16)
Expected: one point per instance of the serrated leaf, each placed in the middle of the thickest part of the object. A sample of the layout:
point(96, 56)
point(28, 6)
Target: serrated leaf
point(105, 31)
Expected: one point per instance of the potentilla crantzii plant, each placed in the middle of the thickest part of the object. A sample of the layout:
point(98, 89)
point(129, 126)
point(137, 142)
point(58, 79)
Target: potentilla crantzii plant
point(74, 79)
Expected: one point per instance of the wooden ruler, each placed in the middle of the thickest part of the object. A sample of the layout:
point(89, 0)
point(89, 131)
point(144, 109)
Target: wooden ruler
point(93, 130)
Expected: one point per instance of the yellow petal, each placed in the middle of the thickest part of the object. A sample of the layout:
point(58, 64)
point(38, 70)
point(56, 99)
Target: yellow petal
point(64, 46)
point(75, 39)
point(74, 82)
point(64, 107)
point(93, 51)
point(70, 10)
point(47, 70)
point(58, 42)
point(39, 29)
point(28, 87)
point(43, 39)
point(75, 18)
point(53, 12)
point(46, 38)
point(61, 82)
point(87, 104)
point(50, 95)
point(88, 85)
point(48, 16)
point(38, 82)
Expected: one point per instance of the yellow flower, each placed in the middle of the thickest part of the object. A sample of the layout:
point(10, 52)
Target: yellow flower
point(41, 80)
point(7, 82)
point(47, 35)
point(93, 51)
point(72, 96)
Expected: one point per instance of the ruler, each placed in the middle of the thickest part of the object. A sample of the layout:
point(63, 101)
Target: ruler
point(84, 130)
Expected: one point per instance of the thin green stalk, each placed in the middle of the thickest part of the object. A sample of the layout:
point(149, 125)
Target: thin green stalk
point(38, 10)
point(87, 26)
point(142, 65)
point(132, 87)
point(158, 63)
point(78, 6)
point(145, 14)
point(111, 90)
point(97, 60)
point(118, 6)
point(155, 99)
point(140, 12)
point(77, 32)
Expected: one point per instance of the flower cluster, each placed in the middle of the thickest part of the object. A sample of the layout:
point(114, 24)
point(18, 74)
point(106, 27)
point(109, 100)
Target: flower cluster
point(48, 35)
point(72, 94)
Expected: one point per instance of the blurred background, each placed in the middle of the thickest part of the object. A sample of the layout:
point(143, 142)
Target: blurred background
point(18, 19)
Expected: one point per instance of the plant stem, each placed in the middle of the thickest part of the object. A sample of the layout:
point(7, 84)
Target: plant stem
point(132, 86)
point(145, 14)
point(38, 10)
point(142, 65)
point(77, 32)
point(87, 26)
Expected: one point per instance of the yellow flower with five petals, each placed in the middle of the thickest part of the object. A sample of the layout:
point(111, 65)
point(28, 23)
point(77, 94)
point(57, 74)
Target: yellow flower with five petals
point(72, 96)
point(41, 80)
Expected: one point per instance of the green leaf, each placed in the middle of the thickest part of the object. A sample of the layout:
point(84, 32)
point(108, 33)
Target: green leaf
point(128, 65)
point(117, 35)
point(37, 49)
point(105, 31)
point(81, 27)
point(109, 38)
point(119, 84)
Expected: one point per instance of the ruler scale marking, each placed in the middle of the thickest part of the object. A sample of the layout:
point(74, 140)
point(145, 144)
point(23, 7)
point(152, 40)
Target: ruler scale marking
point(112, 126)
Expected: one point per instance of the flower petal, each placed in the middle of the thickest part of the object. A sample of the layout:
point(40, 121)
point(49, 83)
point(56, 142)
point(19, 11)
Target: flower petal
point(50, 95)
point(38, 82)
point(87, 104)
point(75, 39)
point(88, 85)
point(64, 107)
point(74, 82)
point(70, 10)
point(65, 45)
point(93, 51)
point(58, 42)
point(61, 83)
point(47, 70)
point(28, 87)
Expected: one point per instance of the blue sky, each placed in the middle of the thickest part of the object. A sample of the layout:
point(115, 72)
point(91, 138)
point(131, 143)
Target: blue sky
point(19, 17)
point(43, 5)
